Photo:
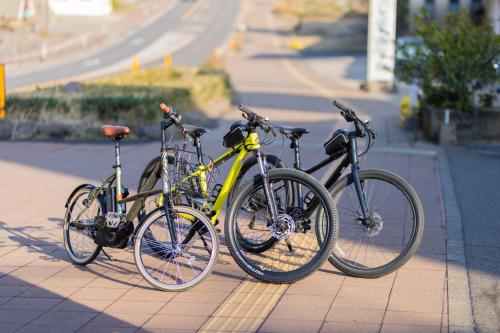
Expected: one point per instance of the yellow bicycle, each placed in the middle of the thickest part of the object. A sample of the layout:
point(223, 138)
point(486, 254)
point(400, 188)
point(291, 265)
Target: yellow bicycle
point(271, 233)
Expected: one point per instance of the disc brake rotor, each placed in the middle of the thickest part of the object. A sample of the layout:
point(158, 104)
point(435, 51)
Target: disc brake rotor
point(374, 225)
point(284, 226)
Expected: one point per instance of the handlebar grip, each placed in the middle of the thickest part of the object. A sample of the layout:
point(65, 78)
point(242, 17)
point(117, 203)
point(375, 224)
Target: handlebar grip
point(245, 109)
point(341, 106)
point(166, 110)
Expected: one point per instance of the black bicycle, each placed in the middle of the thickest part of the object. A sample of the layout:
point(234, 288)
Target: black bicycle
point(381, 216)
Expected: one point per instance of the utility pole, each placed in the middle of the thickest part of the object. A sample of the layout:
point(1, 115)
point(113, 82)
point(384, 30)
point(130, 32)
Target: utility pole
point(381, 50)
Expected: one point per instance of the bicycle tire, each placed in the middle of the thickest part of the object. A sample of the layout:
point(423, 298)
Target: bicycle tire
point(408, 192)
point(324, 250)
point(77, 193)
point(151, 218)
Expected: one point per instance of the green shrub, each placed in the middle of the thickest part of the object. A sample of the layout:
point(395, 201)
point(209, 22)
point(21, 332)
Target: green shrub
point(127, 98)
point(35, 103)
point(452, 62)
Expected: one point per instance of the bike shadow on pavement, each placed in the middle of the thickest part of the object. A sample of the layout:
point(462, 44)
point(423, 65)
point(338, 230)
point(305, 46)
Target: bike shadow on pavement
point(120, 269)
point(28, 307)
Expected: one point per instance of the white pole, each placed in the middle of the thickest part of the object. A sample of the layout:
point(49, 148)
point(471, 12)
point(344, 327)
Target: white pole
point(381, 48)
point(495, 15)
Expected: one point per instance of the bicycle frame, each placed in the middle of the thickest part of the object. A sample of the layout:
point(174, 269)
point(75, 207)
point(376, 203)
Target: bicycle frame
point(241, 151)
point(350, 158)
point(118, 201)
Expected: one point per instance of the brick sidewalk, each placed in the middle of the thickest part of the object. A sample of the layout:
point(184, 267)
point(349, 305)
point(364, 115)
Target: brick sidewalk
point(41, 291)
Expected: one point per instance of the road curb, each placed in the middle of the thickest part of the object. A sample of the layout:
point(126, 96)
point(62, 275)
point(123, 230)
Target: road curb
point(460, 317)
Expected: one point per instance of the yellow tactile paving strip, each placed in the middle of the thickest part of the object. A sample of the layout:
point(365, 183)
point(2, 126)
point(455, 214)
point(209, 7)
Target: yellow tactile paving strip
point(246, 308)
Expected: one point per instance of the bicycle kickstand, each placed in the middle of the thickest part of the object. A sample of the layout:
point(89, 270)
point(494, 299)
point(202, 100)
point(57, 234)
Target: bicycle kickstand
point(107, 255)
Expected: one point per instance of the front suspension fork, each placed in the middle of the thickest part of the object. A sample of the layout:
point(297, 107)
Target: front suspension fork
point(168, 206)
point(360, 189)
point(263, 169)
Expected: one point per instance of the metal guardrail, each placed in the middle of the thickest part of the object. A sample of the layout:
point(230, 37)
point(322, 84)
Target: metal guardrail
point(46, 51)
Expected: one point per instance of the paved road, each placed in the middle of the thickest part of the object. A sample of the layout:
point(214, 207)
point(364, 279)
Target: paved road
point(205, 23)
point(476, 176)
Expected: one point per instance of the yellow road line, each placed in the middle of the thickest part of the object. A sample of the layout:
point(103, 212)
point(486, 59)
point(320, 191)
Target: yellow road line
point(322, 90)
point(187, 15)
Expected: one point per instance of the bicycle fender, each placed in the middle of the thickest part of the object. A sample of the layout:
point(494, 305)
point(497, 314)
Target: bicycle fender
point(78, 188)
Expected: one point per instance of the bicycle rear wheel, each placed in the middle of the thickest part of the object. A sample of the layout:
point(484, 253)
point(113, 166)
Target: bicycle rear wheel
point(177, 266)
point(79, 240)
point(297, 252)
point(392, 233)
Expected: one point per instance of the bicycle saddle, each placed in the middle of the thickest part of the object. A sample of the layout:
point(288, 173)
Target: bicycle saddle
point(195, 131)
point(295, 132)
point(119, 132)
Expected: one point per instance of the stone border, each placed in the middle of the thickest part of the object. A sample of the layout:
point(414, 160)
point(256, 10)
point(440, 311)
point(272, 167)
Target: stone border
point(460, 318)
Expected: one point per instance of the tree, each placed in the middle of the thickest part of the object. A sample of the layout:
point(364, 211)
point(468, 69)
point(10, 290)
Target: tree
point(450, 63)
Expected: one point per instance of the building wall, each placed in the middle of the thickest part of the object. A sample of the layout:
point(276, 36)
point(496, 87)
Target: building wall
point(493, 9)
point(440, 8)
point(81, 7)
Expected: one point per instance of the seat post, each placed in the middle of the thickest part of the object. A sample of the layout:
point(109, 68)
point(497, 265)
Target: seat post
point(199, 151)
point(118, 172)
point(296, 149)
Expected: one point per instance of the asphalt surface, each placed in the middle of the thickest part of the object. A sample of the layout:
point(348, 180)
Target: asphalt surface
point(211, 24)
point(476, 176)
point(222, 14)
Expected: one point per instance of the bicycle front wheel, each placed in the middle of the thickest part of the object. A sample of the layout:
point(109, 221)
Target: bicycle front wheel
point(176, 266)
point(389, 237)
point(297, 251)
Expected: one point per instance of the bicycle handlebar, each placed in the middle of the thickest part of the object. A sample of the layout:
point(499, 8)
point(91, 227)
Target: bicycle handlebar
point(350, 116)
point(262, 122)
point(169, 112)
point(340, 106)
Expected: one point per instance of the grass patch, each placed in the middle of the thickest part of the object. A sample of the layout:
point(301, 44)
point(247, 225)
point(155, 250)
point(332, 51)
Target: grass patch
point(127, 98)
point(119, 5)
point(306, 10)
point(303, 9)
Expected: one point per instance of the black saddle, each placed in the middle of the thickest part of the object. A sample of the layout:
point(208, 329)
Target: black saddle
point(195, 131)
point(295, 132)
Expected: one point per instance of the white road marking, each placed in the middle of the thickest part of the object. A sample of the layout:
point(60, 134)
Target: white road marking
point(206, 5)
point(195, 28)
point(192, 10)
point(195, 18)
point(136, 41)
point(92, 62)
